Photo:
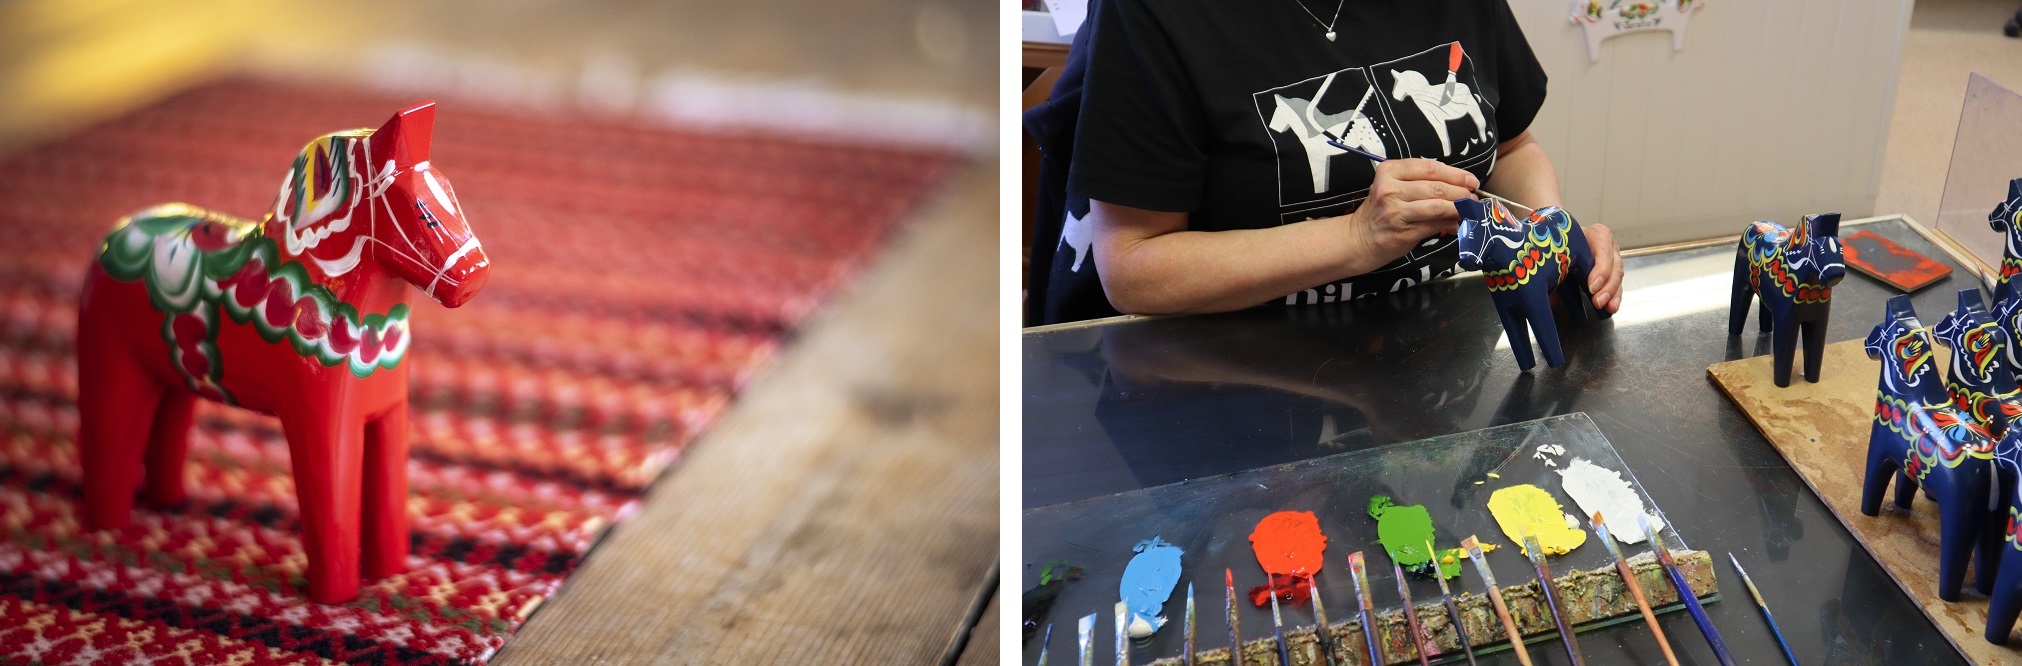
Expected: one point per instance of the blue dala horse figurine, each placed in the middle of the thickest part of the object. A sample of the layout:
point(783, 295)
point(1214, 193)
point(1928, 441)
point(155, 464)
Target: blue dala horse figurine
point(1793, 271)
point(2007, 219)
point(1981, 384)
point(1920, 438)
point(1524, 263)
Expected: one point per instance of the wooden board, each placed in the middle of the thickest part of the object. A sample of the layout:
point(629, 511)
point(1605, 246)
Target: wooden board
point(1822, 430)
point(845, 511)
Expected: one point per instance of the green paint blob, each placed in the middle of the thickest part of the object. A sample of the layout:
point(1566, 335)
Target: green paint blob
point(1404, 530)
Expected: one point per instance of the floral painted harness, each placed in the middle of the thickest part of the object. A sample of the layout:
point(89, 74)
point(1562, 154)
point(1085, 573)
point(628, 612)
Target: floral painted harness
point(194, 262)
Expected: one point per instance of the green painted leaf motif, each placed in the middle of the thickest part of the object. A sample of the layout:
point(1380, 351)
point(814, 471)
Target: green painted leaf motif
point(173, 272)
point(125, 253)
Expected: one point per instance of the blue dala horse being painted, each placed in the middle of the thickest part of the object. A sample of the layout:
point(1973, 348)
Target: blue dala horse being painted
point(1919, 437)
point(1982, 385)
point(1524, 263)
point(1793, 271)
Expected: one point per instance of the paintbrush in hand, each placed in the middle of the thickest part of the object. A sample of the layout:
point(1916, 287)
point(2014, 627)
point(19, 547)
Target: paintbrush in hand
point(1235, 623)
point(1685, 593)
point(1516, 638)
point(1452, 611)
point(1048, 637)
point(1411, 612)
point(1088, 640)
point(1537, 554)
point(1277, 621)
point(1759, 603)
point(1379, 158)
point(1365, 606)
point(1324, 632)
point(1635, 589)
point(1190, 624)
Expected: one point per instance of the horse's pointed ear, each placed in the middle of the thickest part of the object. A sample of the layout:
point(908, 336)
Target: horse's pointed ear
point(2015, 188)
point(1969, 300)
point(1899, 307)
point(1823, 224)
point(408, 134)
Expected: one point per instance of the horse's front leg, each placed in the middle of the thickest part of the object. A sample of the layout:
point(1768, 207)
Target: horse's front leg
point(326, 446)
point(1782, 339)
point(385, 508)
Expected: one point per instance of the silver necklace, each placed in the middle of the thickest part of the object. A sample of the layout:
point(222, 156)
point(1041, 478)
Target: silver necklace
point(1329, 25)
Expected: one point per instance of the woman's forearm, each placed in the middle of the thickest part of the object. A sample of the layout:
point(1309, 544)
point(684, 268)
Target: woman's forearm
point(1151, 265)
point(1524, 172)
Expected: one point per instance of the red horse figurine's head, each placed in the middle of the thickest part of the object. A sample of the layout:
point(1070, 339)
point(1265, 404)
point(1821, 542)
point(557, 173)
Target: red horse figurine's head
point(429, 244)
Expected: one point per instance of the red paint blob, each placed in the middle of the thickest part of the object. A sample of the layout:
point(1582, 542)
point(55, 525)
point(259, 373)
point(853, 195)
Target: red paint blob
point(1289, 543)
point(1291, 590)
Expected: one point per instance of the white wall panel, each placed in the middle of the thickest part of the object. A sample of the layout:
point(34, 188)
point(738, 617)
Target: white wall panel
point(1774, 109)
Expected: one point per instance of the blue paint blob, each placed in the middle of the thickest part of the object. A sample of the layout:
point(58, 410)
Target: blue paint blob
point(1149, 580)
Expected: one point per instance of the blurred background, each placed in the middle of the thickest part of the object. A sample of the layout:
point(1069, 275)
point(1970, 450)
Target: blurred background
point(876, 67)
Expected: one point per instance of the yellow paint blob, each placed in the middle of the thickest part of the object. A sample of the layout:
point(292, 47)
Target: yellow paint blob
point(1527, 510)
point(1494, 475)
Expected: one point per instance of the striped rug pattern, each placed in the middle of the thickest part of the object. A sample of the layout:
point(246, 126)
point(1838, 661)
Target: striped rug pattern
point(641, 275)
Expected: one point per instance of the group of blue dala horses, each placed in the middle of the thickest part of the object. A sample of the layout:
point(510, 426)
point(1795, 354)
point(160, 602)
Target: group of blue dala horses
point(1949, 436)
point(1958, 441)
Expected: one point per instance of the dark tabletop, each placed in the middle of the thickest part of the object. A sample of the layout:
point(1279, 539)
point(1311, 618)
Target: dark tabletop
point(1140, 403)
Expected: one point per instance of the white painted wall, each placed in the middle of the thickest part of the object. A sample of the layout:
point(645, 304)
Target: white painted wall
point(1774, 109)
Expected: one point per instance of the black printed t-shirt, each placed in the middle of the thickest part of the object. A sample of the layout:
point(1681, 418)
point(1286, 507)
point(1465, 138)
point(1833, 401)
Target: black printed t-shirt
point(1225, 111)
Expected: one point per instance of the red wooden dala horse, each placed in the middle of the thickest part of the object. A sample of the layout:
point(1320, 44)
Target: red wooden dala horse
point(303, 316)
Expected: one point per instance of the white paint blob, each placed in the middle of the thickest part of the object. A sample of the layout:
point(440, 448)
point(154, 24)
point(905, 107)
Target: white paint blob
point(1600, 490)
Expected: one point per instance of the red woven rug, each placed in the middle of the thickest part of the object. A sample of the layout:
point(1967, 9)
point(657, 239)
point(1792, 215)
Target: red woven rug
point(641, 275)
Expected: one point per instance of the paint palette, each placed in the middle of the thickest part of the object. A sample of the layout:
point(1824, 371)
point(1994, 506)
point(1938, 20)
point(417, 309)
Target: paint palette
point(1211, 518)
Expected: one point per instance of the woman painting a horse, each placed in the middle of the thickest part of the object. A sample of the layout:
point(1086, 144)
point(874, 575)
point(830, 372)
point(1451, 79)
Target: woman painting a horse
point(1199, 153)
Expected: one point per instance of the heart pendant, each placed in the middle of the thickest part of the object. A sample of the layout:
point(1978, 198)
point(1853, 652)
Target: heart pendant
point(1330, 35)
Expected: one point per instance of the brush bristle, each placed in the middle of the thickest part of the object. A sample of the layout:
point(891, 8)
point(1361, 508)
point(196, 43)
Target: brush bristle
point(1355, 559)
point(1597, 518)
point(1469, 543)
point(1229, 576)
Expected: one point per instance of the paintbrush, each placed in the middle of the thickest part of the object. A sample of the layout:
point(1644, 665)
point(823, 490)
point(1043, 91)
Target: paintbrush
point(1379, 158)
point(1635, 589)
point(1088, 640)
point(1411, 612)
point(1364, 606)
point(1190, 624)
point(1516, 638)
point(1759, 603)
point(1235, 623)
point(1325, 631)
point(1685, 593)
point(1122, 634)
point(1452, 72)
point(1048, 637)
point(1277, 621)
point(1452, 611)
point(1537, 554)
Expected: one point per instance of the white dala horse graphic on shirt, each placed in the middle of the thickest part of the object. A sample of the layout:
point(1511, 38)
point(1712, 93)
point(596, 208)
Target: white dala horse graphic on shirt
point(1313, 130)
point(1427, 94)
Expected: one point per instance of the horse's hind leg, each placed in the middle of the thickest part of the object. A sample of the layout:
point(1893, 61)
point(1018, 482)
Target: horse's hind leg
point(1737, 315)
point(1783, 344)
point(168, 445)
point(116, 403)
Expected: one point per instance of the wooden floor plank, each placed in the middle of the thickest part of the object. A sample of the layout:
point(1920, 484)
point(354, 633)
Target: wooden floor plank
point(846, 508)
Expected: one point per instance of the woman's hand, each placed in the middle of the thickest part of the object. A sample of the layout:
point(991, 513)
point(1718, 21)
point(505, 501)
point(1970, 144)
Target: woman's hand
point(1605, 280)
point(1409, 201)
